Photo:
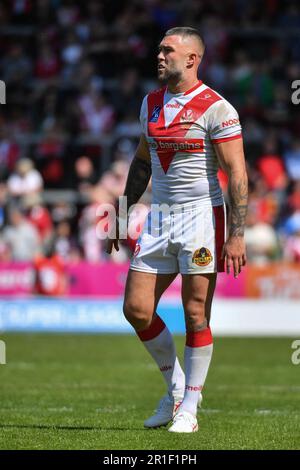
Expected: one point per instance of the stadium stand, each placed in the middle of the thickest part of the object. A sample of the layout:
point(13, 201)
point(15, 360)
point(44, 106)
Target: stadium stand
point(75, 74)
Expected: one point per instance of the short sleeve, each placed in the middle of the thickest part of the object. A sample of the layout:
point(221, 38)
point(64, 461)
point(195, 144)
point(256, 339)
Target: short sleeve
point(223, 123)
point(144, 115)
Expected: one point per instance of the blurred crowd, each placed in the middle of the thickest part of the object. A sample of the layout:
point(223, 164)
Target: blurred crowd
point(75, 75)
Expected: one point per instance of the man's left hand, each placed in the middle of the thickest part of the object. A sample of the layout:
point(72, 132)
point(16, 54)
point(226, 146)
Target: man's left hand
point(234, 252)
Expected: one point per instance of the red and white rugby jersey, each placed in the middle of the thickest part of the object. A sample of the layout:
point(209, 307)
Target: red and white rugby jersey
point(181, 130)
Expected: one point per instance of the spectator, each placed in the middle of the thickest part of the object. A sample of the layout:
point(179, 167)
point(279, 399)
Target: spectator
point(50, 275)
point(71, 54)
point(271, 167)
point(128, 95)
point(85, 177)
point(114, 180)
point(129, 126)
point(47, 64)
point(17, 66)
point(98, 115)
point(39, 216)
point(63, 239)
point(261, 240)
point(62, 211)
point(21, 236)
point(93, 246)
point(25, 180)
point(49, 156)
point(124, 150)
point(87, 75)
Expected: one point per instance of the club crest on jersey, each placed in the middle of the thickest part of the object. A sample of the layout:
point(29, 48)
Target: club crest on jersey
point(155, 114)
point(202, 257)
point(187, 116)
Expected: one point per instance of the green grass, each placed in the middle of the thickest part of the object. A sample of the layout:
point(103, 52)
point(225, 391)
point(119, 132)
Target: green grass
point(93, 392)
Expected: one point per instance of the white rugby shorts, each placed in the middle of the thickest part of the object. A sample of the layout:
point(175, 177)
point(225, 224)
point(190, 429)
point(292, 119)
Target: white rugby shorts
point(187, 240)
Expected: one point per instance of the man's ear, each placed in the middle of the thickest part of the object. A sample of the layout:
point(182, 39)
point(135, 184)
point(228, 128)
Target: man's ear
point(191, 60)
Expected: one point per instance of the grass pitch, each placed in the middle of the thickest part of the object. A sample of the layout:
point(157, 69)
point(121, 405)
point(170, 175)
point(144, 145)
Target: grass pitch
point(93, 392)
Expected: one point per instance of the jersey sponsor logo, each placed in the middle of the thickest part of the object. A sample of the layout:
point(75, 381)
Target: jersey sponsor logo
point(230, 122)
point(174, 105)
point(155, 114)
point(202, 257)
point(185, 145)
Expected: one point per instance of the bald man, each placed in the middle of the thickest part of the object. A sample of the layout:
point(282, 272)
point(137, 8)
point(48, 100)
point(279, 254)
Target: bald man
point(188, 131)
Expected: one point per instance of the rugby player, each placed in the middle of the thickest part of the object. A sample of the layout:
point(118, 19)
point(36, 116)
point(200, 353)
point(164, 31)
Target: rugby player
point(188, 131)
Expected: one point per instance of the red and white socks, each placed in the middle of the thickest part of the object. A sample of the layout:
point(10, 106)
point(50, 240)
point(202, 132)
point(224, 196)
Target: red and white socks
point(159, 343)
point(197, 357)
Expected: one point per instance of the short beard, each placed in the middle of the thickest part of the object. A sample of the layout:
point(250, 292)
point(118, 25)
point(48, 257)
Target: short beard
point(171, 76)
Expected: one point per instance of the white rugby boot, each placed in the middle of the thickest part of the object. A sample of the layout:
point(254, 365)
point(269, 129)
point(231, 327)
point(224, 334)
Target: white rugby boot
point(200, 399)
point(184, 422)
point(165, 412)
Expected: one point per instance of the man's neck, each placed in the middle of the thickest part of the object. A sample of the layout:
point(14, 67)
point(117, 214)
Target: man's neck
point(182, 86)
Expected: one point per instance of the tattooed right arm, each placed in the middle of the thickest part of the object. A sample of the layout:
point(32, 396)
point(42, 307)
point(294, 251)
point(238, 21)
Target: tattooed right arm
point(139, 173)
point(137, 181)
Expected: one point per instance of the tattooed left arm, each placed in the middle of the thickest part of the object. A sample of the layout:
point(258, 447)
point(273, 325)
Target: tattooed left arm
point(232, 160)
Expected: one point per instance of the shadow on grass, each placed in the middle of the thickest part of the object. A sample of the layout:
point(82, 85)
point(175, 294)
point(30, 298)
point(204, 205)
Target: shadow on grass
point(71, 428)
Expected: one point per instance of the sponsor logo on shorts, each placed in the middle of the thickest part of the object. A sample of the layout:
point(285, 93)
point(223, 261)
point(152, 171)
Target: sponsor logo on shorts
point(202, 257)
point(155, 114)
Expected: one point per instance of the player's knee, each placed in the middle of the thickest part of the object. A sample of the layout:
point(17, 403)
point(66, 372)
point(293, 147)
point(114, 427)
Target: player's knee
point(195, 306)
point(136, 315)
point(195, 314)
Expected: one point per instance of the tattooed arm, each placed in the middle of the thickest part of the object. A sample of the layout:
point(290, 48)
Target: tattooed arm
point(139, 173)
point(232, 160)
point(137, 181)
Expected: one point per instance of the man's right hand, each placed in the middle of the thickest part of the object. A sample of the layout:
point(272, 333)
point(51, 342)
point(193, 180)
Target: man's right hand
point(110, 244)
point(113, 241)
